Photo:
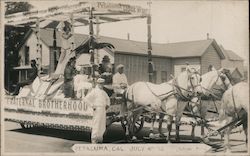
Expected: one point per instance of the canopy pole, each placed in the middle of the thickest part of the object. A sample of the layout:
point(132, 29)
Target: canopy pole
point(38, 46)
point(97, 39)
point(52, 60)
point(150, 61)
point(72, 31)
point(91, 40)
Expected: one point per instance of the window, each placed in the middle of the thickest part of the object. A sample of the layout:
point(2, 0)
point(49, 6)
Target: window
point(155, 77)
point(26, 55)
point(183, 69)
point(163, 76)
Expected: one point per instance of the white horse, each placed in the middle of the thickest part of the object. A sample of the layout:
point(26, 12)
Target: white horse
point(235, 104)
point(214, 84)
point(234, 108)
point(142, 96)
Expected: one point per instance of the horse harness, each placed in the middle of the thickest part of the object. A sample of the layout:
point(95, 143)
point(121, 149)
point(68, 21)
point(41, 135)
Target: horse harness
point(212, 95)
point(176, 91)
point(223, 81)
point(235, 110)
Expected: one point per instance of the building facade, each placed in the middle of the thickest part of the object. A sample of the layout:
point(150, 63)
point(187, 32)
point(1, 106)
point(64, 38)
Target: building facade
point(232, 60)
point(169, 59)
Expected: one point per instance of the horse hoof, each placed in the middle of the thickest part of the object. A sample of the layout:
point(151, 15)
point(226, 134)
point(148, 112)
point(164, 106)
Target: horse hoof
point(227, 150)
point(134, 138)
point(151, 135)
point(127, 137)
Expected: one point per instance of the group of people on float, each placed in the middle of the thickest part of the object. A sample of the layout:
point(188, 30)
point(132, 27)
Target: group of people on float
point(99, 96)
point(113, 83)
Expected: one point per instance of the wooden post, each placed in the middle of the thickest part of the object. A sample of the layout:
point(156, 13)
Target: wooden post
point(53, 59)
point(38, 46)
point(97, 38)
point(72, 31)
point(150, 61)
point(91, 40)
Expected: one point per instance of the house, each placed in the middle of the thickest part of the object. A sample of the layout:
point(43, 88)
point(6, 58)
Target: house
point(236, 75)
point(169, 59)
point(49, 56)
point(232, 60)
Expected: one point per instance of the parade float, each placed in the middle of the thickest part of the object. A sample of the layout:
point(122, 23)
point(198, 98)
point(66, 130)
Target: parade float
point(42, 103)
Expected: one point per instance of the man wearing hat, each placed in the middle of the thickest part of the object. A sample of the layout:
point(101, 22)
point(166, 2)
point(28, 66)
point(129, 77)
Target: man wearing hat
point(69, 73)
point(99, 101)
point(120, 82)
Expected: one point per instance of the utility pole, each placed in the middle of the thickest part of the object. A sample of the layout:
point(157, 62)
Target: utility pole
point(150, 61)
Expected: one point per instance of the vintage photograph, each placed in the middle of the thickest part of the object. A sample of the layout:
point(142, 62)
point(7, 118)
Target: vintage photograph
point(124, 77)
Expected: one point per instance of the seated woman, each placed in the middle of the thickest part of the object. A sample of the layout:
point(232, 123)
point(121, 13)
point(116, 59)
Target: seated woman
point(82, 84)
point(107, 76)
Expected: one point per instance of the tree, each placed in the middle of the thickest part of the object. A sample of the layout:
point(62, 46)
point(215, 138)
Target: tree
point(15, 7)
point(14, 37)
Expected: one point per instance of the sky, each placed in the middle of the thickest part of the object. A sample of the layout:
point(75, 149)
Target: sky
point(176, 21)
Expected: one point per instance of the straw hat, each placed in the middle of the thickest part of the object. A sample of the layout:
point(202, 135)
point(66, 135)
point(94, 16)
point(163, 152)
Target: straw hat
point(119, 66)
point(100, 80)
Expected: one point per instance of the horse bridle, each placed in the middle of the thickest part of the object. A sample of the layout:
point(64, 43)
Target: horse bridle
point(225, 88)
point(220, 75)
point(175, 84)
point(191, 83)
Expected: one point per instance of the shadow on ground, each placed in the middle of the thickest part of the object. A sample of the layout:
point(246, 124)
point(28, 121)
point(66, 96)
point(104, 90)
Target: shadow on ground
point(114, 134)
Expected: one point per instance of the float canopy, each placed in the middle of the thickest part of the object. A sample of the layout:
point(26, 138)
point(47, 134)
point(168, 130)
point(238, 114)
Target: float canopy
point(106, 11)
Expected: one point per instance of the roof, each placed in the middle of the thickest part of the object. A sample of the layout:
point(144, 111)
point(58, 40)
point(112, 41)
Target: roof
point(175, 50)
point(231, 55)
point(232, 70)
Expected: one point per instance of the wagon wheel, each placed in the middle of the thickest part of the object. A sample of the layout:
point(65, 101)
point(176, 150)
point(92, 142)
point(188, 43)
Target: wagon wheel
point(23, 125)
point(137, 126)
point(124, 123)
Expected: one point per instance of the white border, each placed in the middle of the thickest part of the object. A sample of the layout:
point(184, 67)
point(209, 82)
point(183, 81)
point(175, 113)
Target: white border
point(66, 154)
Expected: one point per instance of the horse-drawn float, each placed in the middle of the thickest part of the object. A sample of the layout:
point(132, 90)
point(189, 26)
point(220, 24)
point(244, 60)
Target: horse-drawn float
point(42, 104)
